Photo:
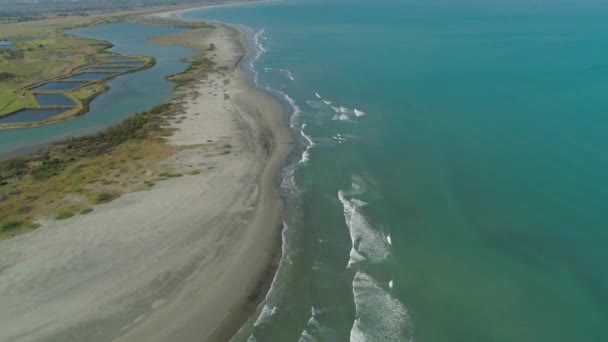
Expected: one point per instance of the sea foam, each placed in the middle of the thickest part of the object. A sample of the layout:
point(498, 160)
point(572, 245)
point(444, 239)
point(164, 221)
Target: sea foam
point(359, 113)
point(288, 73)
point(368, 244)
point(379, 316)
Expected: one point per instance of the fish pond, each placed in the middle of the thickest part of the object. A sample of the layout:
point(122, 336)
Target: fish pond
point(127, 95)
point(31, 115)
point(47, 100)
point(92, 76)
point(69, 85)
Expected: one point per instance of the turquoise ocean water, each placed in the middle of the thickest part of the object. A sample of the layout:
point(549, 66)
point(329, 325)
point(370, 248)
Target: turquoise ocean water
point(465, 199)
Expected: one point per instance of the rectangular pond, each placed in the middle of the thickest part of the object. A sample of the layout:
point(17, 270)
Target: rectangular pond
point(31, 115)
point(131, 62)
point(54, 100)
point(61, 85)
point(110, 67)
point(91, 76)
point(120, 59)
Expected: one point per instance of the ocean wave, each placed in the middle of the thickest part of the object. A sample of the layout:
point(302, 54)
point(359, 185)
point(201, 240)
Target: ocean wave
point(339, 138)
point(379, 316)
point(296, 110)
point(266, 315)
point(288, 73)
point(314, 328)
point(306, 136)
point(305, 156)
point(327, 102)
point(341, 117)
point(259, 51)
point(256, 40)
point(368, 244)
point(359, 113)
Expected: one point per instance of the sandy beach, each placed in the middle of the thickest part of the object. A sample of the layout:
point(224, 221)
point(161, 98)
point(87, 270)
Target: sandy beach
point(183, 261)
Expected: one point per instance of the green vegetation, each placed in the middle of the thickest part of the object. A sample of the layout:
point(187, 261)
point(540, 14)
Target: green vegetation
point(6, 76)
point(86, 211)
point(9, 225)
point(68, 178)
point(103, 197)
point(64, 215)
point(72, 175)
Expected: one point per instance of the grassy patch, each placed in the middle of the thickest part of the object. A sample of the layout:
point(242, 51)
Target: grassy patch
point(103, 197)
point(9, 225)
point(64, 215)
point(86, 211)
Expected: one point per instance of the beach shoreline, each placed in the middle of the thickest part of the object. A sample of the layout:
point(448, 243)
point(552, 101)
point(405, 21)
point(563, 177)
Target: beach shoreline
point(190, 258)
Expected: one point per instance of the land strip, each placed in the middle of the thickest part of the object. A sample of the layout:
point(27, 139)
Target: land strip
point(176, 222)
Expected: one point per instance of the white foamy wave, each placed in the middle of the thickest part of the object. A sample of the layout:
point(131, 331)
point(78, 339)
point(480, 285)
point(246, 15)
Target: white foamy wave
point(305, 156)
point(359, 113)
point(388, 239)
point(266, 315)
point(339, 138)
point(288, 73)
point(343, 110)
point(336, 109)
point(306, 136)
point(327, 102)
point(318, 96)
point(379, 316)
point(358, 203)
point(368, 244)
point(343, 117)
point(313, 328)
point(256, 39)
point(292, 103)
point(390, 284)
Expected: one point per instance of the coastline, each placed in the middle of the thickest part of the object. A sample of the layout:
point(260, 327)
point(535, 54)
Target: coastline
point(187, 259)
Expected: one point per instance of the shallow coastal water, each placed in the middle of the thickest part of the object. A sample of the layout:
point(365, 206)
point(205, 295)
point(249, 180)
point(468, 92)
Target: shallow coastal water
point(450, 180)
point(128, 94)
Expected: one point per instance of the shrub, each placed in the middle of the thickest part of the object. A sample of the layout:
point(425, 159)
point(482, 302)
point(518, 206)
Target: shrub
point(103, 197)
point(64, 215)
point(86, 211)
point(6, 76)
point(9, 225)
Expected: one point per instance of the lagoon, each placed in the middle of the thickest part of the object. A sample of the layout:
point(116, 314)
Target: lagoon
point(109, 67)
point(128, 94)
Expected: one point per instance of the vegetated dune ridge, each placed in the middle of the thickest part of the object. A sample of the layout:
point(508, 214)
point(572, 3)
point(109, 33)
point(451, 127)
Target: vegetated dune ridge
point(182, 261)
